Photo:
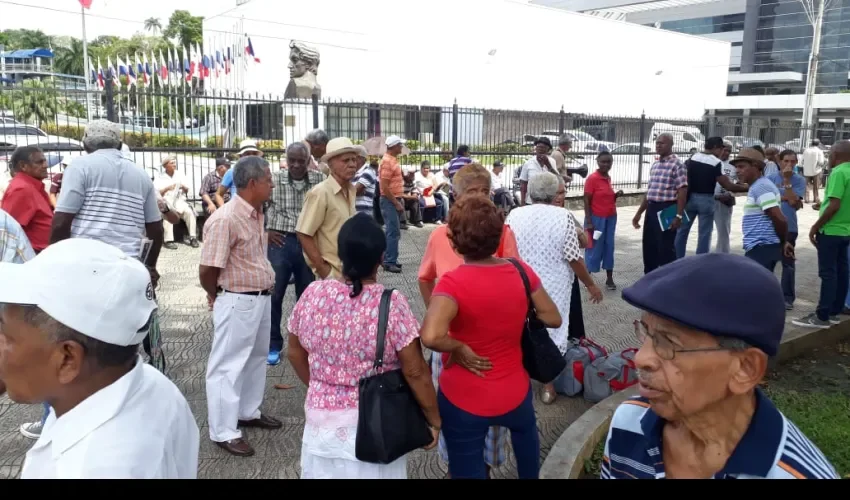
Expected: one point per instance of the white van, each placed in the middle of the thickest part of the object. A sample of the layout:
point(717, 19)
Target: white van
point(685, 138)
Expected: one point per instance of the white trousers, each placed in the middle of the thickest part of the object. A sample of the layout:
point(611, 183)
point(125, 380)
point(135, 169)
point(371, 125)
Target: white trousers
point(185, 212)
point(236, 371)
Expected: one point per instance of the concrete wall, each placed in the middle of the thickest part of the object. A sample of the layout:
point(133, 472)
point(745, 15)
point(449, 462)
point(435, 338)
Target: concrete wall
point(486, 53)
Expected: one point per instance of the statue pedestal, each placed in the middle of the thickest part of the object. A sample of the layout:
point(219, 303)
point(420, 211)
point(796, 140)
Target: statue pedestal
point(298, 119)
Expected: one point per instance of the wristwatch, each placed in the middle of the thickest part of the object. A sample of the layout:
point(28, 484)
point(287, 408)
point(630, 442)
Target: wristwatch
point(679, 216)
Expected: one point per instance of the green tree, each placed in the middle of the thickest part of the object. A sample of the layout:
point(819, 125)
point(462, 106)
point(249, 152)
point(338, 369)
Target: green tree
point(153, 25)
point(35, 102)
point(184, 28)
point(25, 39)
point(69, 60)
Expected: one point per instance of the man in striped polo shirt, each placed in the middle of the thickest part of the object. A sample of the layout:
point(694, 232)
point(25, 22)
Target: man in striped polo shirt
point(764, 226)
point(703, 354)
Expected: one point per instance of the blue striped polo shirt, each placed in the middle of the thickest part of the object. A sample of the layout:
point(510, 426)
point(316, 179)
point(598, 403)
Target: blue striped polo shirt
point(772, 447)
point(757, 227)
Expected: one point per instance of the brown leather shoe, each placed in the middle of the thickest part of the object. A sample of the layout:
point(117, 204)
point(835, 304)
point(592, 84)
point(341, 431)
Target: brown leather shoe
point(264, 422)
point(238, 447)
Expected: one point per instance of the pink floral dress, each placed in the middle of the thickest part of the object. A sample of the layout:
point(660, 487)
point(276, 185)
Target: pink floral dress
point(339, 334)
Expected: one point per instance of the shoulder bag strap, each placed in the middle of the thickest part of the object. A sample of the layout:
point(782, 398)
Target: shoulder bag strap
point(525, 281)
point(383, 319)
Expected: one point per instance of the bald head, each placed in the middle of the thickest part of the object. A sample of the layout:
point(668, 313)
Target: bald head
point(771, 153)
point(839, 153)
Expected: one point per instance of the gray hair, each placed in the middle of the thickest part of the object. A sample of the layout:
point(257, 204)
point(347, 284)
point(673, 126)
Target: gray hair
point(564, 140)
point(168, 159)
point(543, 187)
point(665, 134)
point(318, 137)
point(249, 168)
point(295, 146)
point(727, 144)
point(102, 354)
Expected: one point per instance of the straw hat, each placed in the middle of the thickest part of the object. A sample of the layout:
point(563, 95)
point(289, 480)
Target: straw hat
point(339, 146)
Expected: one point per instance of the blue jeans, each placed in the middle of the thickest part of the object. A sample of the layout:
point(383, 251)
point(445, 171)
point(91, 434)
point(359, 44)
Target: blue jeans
point(287, 261)
point(392, 226)
point(833, 273)
point(701, 205)
point(465, 433)
point(789, 272)
point(439, 212)
point(602, 252)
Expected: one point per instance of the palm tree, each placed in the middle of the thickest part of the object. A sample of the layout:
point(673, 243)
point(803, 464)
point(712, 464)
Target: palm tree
point(153, 25)
point(69, 60)
point(36, 102)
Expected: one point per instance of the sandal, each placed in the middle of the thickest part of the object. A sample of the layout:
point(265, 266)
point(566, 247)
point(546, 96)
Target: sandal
point(548, 396)
point(611, 286)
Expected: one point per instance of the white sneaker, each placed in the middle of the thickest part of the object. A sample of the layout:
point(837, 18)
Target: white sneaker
point(32, 430)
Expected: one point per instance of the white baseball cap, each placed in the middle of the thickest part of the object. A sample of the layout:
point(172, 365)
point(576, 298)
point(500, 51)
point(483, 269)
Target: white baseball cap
point(394, 140)
point(87, 285)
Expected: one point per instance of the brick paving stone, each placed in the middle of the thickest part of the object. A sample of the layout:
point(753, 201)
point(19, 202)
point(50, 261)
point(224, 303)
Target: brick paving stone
point(187, 329)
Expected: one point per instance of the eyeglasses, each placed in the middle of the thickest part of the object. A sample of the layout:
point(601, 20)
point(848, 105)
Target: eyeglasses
point(662, 344)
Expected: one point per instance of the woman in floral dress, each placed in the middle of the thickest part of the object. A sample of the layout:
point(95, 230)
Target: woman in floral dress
point(332, 339)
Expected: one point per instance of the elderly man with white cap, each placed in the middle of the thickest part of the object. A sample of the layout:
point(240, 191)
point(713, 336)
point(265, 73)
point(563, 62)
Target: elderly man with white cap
point(701, 413)
point(391, 181)
point(112, 417)
point(109, 198)
point(248, 147)
point(326, 208)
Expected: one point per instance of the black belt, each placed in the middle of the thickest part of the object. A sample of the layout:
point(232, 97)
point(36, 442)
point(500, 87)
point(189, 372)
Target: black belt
point(256, 294)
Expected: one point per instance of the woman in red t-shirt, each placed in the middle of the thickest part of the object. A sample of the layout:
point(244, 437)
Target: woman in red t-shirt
point(475, 319)
point(600, 218)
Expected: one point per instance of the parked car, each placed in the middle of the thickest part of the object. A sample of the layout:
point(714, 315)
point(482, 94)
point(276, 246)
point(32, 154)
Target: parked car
point(686, 138)
point(627, 162)
point(740, 142)
point(16, 135)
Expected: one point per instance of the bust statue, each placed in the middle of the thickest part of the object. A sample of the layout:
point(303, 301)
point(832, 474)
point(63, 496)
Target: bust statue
point(303, 67)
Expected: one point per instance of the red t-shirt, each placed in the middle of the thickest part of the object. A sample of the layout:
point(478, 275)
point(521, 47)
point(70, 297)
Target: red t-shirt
point(491, 314)
point(603, 201)
point(27, 202)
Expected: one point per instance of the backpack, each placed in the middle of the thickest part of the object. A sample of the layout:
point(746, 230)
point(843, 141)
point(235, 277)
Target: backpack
point(580, 353)
point(610, 374)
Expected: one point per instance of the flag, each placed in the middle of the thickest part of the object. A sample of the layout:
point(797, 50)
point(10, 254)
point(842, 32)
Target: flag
point(218, 63)
point(86, 4)
point(227, 62)
point(111, 74)
point(101, 83)
point(122, 70)
point(173, 64)
point(189, 62)
point(131, 73)
point(140, 69)
point(163, 69)
point(249, 49)
point(144, 68)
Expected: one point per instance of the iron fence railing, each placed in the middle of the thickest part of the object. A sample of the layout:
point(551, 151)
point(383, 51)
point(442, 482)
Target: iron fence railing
point(198, 125)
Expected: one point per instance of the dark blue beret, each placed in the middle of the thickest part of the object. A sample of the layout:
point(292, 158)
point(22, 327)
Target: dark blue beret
point(720, 294)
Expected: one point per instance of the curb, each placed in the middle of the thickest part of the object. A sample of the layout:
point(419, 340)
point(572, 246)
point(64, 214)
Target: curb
point(577, 443)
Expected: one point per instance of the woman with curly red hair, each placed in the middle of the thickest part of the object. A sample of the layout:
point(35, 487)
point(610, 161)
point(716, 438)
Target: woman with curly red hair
point(475, 320)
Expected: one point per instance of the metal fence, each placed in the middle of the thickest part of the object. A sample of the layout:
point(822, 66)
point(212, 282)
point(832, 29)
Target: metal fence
point(197, 126)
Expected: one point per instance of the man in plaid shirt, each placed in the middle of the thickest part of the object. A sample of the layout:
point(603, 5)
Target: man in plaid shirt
point(668, 185)
point(285, 254)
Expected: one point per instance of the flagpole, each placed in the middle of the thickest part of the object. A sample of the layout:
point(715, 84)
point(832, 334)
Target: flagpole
point(87, 70)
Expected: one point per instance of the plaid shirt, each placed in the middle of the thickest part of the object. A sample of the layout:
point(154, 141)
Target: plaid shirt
point(210, 185)
point(287, 200)
point(666, 177)
point(15, 247)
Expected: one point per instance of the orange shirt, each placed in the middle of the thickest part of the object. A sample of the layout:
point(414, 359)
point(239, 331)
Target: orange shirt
point(441, 258)
point(389, 172)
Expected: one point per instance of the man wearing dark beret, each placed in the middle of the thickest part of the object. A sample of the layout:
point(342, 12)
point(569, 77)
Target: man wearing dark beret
point(703, 353)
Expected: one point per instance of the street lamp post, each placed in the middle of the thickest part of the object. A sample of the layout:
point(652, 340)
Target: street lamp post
point(814, 11)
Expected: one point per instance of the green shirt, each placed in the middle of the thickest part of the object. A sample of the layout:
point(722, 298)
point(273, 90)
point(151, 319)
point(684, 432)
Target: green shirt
point(838, 186)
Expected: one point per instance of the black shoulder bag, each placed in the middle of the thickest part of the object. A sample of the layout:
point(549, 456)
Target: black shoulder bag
point(390, 421)
point(540, 356)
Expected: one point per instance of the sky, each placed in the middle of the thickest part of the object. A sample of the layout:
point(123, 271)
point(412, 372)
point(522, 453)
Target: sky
point(62, 17)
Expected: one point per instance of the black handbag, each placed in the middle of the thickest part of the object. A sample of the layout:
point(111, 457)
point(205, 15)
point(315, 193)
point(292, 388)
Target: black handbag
point(540, 356)
point(390, 421)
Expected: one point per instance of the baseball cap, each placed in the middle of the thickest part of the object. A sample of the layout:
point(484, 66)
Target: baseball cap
point(394, 140)
point(498, 163)
point(753, 310)
point(247, 146)
point(222, 161)
point(102, 129)
point(751, 154)
point(87, 285)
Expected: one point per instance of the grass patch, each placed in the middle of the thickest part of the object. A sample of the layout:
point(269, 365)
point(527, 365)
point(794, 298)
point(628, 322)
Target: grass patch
point(593, 465)
point(823, 417)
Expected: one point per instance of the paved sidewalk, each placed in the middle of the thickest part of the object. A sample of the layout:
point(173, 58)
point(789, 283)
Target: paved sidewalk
point(187, 328)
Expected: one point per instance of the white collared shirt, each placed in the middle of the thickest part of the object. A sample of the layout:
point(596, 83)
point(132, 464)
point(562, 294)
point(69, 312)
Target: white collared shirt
point(177, 180)
point(140, 427)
